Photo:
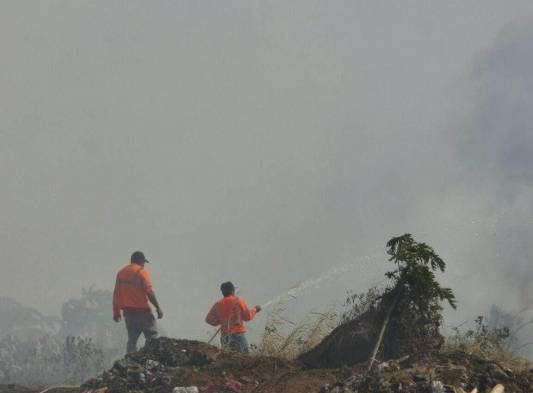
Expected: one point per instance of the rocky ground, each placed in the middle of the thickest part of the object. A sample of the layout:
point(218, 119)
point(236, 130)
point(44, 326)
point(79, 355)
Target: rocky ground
point(167, 363)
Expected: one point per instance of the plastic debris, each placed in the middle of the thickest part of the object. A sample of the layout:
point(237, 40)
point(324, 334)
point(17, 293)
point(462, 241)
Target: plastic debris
point(498, 389)
point(437, 387)
point(188, 389)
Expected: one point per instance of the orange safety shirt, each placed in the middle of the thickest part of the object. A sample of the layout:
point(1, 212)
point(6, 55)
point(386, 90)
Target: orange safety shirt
point(131, 288)
point(230, 313)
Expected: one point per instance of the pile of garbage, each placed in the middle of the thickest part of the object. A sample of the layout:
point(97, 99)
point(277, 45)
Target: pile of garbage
point(455, 372)
point(160, 366)
point(180, 366)
point(167, 365)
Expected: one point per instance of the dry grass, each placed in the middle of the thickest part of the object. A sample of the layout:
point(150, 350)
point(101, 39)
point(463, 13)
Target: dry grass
point(489, 343)
point(505, 359)
point(286, 339)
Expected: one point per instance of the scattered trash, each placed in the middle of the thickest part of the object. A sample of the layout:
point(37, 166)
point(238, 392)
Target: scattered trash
point(181, 366)
point(234, 386)
point(154, 367)
point(152, 364)
point(498, 389)
point(188, 389)
point(437, 387)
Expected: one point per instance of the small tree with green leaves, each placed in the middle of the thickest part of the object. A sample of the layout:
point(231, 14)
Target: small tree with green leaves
point(414, 298)
point(401, 319)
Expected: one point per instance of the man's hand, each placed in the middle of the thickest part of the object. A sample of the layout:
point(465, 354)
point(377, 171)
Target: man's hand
point(159, 313)
point(117, 318)
point(257, 308)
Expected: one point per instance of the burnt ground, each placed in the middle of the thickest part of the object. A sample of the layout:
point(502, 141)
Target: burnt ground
point(166, 363)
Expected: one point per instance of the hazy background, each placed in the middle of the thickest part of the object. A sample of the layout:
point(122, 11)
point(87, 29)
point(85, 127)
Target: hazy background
point(264, 142)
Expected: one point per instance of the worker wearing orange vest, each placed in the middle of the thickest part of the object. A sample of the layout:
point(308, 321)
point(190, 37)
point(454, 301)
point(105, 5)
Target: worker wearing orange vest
point(230, 313)
point(132, 295)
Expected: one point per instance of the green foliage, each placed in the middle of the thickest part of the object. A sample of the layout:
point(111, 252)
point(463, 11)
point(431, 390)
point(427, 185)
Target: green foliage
point(414, 277)
point(416, 296)
point(413, 297)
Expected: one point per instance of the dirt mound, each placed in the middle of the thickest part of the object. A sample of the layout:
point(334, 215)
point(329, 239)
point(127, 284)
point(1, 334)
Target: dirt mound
point(164, 364)
point(348, 344)
point(407, 313)
point(353, 342)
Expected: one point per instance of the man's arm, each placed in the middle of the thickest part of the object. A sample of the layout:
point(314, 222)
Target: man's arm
point(212, 316)
point(151, 296)
point(116, 305)
point(248, 313)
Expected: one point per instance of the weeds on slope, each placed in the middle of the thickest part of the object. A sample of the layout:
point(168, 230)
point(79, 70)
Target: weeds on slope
point(485, 342)
point(287, 339)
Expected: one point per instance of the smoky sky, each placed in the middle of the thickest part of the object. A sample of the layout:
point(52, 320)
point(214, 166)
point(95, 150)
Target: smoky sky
point(500, 134)
point(262, 142)
point(496, 142)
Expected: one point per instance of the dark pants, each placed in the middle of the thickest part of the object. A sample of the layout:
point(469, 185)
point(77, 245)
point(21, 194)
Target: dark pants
point(234, 342)
point(139, 321)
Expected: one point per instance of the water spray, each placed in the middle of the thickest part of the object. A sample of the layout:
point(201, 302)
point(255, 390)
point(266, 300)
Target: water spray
point(296, 290)
point(335, 271)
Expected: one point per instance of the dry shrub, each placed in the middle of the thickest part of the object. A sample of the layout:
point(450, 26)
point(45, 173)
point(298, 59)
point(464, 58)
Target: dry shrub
point(357, 304)
point(485, 342)
point(284, 338)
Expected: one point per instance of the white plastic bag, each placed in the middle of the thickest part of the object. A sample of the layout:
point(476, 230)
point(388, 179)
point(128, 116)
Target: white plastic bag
point(183, 389)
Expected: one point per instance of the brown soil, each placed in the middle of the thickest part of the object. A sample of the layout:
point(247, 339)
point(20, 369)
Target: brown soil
point(165, 363)
point(349, 344)
point(13, 388)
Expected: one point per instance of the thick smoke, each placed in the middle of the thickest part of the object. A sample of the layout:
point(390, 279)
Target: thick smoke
point(496, 144)
point(262, 142)
point(499, 135)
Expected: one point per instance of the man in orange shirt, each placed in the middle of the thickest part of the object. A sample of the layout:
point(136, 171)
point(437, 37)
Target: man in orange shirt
point(230, 313)
point(133, 292)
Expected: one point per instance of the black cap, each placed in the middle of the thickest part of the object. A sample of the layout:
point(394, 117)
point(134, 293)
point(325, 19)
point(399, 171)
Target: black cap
point(138, 256)
point(227, 288)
